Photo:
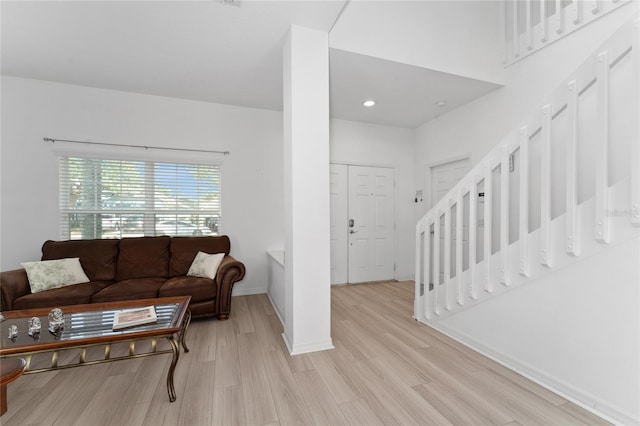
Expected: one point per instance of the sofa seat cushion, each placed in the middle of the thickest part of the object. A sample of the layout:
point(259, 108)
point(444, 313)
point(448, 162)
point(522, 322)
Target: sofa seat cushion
point(199, 288)
point(76, 294)
point(137, 288)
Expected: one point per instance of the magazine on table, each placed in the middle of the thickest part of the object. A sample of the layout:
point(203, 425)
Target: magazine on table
point(132, 317)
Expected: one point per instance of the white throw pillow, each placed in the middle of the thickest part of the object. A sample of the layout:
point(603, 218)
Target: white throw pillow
point(48, 274)
point(205, 265)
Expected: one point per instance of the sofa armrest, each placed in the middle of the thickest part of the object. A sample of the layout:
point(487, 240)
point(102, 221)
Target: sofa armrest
point(229, 272)
point(13, 284)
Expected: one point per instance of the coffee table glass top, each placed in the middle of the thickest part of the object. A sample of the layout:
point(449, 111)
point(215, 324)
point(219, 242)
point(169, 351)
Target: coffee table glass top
point(89, 324)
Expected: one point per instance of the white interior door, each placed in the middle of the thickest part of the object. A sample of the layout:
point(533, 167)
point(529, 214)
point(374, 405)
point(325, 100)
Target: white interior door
point(443, 178)
point(371, 251)
point(338, 193)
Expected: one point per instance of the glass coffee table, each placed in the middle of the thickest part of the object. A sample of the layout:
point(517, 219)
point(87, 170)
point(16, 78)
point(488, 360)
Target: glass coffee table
point(88, 326)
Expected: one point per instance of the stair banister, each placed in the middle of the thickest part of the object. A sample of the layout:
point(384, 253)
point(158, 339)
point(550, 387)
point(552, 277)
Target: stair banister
point(435, 300)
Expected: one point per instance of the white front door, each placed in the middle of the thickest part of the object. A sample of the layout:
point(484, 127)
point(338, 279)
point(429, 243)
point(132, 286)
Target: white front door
point(371, 224)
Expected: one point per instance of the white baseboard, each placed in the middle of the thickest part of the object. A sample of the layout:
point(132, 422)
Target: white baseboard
point(277, 311)
point(579, 397)
point(298, 349)
point(247, 291)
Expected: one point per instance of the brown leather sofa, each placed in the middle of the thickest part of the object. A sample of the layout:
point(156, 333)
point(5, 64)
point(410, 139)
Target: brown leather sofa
point(132, 268)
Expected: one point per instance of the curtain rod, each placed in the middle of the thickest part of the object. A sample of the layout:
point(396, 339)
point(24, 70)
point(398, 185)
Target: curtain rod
point(52, 140)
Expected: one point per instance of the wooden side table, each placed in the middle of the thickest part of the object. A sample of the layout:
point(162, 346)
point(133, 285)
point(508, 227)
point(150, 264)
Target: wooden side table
point(10, 369)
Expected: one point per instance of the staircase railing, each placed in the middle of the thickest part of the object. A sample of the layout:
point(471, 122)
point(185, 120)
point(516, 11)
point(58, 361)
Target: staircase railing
point(564, 185)
point(531, 25)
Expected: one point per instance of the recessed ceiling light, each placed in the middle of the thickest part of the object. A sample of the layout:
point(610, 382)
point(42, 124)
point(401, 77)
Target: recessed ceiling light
point(369, 103)
point(441, 103)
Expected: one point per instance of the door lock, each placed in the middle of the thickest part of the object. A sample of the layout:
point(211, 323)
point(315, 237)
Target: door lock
point(351, 223)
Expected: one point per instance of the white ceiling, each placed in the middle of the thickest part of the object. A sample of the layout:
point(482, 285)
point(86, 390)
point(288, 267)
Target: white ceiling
point(214, 52)
point(405, 95)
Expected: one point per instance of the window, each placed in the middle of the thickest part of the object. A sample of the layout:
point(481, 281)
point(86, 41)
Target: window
point(102, 198)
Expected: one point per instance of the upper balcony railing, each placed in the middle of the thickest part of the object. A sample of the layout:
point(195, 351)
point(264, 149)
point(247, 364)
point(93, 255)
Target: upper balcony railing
point(532, 24)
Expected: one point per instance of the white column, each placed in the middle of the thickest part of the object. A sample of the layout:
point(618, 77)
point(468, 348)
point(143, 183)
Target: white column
point(306, 191)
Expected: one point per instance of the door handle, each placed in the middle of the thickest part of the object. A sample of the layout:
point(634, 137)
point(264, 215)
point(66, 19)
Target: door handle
point(352, 231)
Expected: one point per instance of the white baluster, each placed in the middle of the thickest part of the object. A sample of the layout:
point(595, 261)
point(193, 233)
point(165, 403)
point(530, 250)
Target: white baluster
point(545, 188)
point(447, 255)
point(635, 144)
point(488, 214)
point(572, 245)
point(602, 150)
point(504, 215)
point(558, 17)
point(436, 261)
point(576, 12)
point(427, 269)
point(529, 25)
point(524, 200)
point(516, 32)
point(419, 279)
point(459, 244)
point(473, 229)
point(544, 22)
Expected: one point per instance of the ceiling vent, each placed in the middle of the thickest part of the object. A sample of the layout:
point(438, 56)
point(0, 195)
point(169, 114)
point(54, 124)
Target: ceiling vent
point(235, 3)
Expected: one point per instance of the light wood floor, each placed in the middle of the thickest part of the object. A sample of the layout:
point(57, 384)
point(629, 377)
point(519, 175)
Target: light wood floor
point(386, 369)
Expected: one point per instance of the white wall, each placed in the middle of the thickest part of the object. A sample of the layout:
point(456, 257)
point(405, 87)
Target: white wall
point(373, 145)
point(421, 33)
point(252, 193)
point(252, 174)
point(575, 330)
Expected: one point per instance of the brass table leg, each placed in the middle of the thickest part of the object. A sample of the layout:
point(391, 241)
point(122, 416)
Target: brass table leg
point(175, 348)
point(185, 327)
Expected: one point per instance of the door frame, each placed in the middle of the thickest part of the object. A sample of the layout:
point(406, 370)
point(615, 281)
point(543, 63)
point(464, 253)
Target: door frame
point(396, 216)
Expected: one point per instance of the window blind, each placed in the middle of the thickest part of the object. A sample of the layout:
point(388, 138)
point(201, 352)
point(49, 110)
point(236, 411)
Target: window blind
point(114, 198)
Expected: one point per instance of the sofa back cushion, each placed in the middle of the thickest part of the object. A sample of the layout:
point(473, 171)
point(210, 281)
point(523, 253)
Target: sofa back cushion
point(97, 257)
point(143, 257)
point(184, 250)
